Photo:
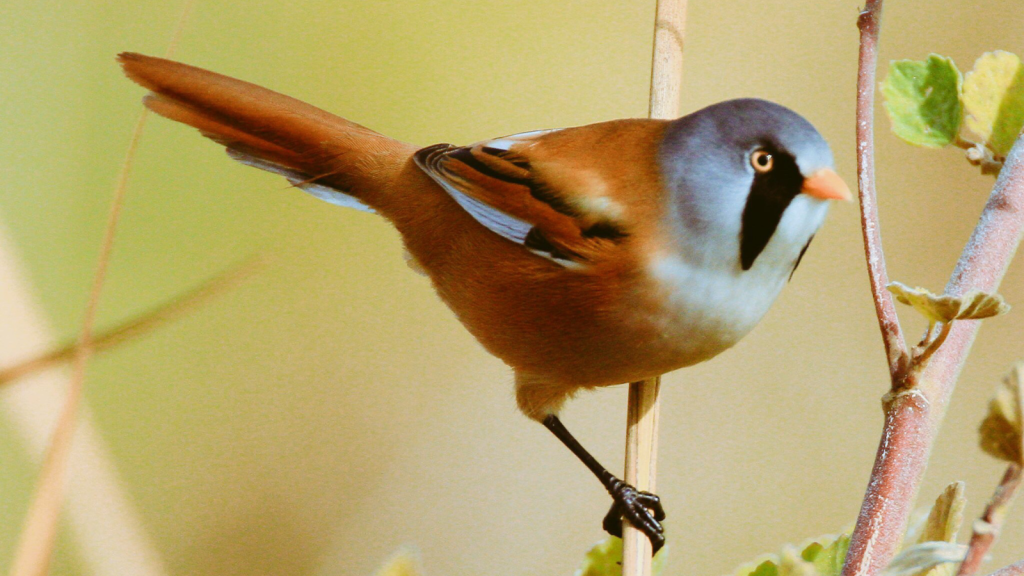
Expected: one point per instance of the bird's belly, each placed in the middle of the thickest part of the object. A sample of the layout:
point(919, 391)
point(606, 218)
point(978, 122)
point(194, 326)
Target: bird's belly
point(679, 319)
point(577, 331)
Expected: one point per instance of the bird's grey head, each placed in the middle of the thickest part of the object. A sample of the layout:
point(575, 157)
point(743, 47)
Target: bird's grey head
point(736, 171)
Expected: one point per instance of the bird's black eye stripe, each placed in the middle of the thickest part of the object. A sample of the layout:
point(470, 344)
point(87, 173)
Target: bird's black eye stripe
point(770, 194)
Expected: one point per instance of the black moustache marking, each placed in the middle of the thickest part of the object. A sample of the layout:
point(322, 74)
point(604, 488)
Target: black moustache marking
point(770, 194)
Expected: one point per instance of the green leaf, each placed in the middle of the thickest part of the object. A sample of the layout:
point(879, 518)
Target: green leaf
point(973, 305)
point(1002, 431)
point(829, 561)
point(605, 559)
point(823, 556)
point(923, 100)
point(766, 568)
point(994, 99)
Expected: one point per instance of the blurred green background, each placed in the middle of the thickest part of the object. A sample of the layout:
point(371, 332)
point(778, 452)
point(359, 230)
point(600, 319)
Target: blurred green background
point(332, 409)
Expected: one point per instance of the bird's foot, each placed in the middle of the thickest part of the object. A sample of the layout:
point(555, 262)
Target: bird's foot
point(642, 509)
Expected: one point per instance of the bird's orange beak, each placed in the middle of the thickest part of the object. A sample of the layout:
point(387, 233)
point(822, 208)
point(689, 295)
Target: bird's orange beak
point(826, 185)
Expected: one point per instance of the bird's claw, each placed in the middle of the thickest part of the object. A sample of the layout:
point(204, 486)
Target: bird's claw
point(642, 509)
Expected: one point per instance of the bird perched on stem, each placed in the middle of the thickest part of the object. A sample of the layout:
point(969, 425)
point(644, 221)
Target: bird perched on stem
point(582, 257)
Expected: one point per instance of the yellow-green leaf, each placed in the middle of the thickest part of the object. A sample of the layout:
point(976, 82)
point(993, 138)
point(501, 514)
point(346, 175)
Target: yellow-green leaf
point(405, 562)
point(765, 568)
point(993, 94)
point(941, 525)
point(971, 306)
point(829, 560)
point(605, 559)
point(946, 515)
point(1001, 432)
point(923, 100)
point(823, 556)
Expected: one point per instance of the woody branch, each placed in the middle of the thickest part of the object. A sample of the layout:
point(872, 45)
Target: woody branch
point(987, 528)
point(920, 392)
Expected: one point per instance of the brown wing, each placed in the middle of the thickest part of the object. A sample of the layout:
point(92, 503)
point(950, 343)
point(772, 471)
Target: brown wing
point(498, 184)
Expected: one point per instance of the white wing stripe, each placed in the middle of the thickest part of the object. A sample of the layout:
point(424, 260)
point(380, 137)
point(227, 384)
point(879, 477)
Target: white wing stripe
point(493, 219)
point(506, 142)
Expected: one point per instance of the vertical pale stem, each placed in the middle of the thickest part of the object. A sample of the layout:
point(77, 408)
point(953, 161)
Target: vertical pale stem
point(641, 468)
point(642, 424)
point(667, 63)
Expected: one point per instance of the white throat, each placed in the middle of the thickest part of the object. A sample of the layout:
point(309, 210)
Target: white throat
point(714, 302)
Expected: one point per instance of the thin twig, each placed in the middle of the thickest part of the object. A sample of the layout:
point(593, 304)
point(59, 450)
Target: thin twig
point(140, 325)
point(644, 405)
point(913, 416)
point(35, 546)
point(986, 529)
point(933, 343)
point(869, 24)
point(37, 537)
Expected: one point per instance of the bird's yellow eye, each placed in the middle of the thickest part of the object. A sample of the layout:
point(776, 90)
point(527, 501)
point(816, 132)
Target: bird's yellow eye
point(761, 160)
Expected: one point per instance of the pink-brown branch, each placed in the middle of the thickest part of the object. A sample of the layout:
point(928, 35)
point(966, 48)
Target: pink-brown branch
point(902, 452)
point(911, 427)
point(986, 530)
point(869, 24)
point(917, 403)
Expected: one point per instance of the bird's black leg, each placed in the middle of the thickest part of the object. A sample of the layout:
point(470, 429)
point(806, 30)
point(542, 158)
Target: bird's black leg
point(642, 509)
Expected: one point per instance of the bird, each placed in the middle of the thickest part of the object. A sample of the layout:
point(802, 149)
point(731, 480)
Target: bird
point(582, 257)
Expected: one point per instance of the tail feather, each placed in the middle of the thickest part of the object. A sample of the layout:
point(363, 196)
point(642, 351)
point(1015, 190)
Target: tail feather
point(322, 153)
point(220, 132)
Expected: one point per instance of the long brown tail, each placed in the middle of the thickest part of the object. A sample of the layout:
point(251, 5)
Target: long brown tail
point(272, 131)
